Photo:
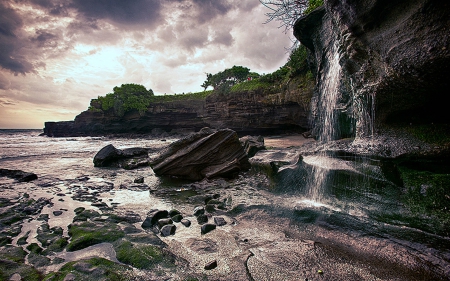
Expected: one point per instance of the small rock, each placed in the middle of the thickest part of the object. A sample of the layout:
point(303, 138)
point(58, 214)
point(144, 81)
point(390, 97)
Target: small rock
point(186, 222)
point(219, 221)
point(79, 210)
point(208, 228)
point(163, 222)
point(168, 229)
point(210, 208)
point(174, 212)
point(199, 211)
point(202, 219)
point(211, 265)
point(15, 277)
point(153, 216)
point(177, 218)
point(57, 213)
point(139, 180)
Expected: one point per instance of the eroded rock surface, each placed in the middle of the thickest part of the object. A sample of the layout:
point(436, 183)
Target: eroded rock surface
point(206, 154)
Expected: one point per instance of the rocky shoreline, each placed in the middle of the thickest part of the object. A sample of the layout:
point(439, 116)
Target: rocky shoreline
point(252, 227)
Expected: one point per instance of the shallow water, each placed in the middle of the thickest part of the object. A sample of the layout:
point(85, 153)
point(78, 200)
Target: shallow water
point(267, 222)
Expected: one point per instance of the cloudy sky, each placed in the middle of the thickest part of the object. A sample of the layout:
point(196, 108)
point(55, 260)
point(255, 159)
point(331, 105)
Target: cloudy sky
point(56, 55)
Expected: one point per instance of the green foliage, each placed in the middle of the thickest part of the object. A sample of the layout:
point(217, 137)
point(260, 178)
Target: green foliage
point(313, 4)
point(225, 79)
point(250, 86)
point(125, 98)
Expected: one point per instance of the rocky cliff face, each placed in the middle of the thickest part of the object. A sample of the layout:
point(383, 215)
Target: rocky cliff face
point(390, 61)
point(251, 112)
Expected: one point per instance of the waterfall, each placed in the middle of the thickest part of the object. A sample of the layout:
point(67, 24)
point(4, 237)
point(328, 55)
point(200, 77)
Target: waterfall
point(327, 107)
point(327, 122)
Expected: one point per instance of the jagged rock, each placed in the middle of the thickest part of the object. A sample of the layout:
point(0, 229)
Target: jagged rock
point(276, 160)
point(207, 228)
point(219, 221)
point(18, 175)
point(168, 230)
point(139, 180)
point(211, 265)
point(153, 216)
point(252, 144)
point(130, 158)
point(201, 219)
point(397, 63)
point(199, 211)
point(205, 154)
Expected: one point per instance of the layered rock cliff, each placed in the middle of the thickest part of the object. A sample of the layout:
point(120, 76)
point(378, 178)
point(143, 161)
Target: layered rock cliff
point(264, 111)
point(390, 61)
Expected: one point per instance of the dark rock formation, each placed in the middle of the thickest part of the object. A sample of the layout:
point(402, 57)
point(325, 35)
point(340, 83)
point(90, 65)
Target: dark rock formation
point(153, 216)
point(394, 58)
point(18, 175)
point(130, 158)
point(206, 228)
point(168, 229)
point(252, 144)
point(205, 154)
point(252, 112)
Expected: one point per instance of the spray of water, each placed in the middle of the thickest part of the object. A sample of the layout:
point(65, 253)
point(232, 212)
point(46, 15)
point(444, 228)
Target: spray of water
point(326, 120)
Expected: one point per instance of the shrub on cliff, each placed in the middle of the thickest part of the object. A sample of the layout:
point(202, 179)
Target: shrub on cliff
point(124, 98)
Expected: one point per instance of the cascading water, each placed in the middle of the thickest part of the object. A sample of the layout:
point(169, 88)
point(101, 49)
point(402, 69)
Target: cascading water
point(327, 123)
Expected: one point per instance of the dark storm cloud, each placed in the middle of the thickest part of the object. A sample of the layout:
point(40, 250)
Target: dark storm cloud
point(209, 9)
point(45, 39)
point(10, 42)
point(136, 12)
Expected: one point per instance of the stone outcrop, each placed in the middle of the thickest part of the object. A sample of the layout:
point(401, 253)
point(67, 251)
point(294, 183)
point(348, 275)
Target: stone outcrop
point(206, 154)
point(18, 175)
point(252, 112)
point(129, 158)
point(394, 58)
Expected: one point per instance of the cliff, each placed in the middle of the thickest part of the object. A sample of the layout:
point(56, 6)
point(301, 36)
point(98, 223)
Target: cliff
point(263, 111)
point(389, 60)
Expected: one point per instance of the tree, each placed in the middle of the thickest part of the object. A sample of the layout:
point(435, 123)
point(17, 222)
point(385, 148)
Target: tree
point(127, 97)
point(288, 11)
point(225, 79)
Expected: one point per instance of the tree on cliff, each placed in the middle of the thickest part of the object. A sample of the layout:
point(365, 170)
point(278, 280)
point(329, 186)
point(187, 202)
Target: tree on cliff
point(223, 80)
point(127, 97)
point(288, 11)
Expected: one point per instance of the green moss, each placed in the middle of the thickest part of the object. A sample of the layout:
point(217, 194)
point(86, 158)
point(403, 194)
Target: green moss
point(11, 253)
point(438, 134)
point(427, 196)
point(91, 269)
point(85, 215)
point(8, 268)
point(141, 256)
point(34, 248)
point(87, 234)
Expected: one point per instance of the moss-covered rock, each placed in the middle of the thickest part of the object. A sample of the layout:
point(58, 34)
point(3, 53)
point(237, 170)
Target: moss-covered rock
point(86, 234)
point(90, 269)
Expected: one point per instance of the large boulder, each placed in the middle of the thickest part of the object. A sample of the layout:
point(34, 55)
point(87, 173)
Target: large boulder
point(206, 154)
point(129, 158)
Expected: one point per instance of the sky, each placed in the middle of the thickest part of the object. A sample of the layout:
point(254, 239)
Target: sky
point(57, 55)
